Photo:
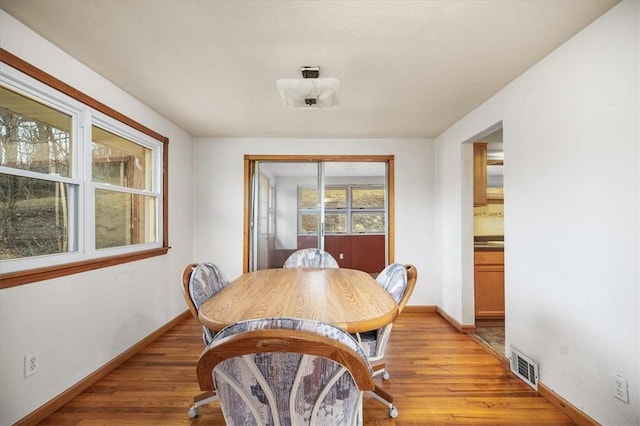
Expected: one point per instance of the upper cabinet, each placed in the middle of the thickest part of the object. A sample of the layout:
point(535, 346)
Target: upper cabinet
point(479, 174)
point(487, 174)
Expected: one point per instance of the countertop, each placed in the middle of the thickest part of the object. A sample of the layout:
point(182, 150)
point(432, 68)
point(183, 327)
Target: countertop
point(485, 247)
point(489, 243)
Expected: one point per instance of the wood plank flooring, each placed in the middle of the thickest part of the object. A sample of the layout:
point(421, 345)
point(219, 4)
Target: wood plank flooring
point(438, 376)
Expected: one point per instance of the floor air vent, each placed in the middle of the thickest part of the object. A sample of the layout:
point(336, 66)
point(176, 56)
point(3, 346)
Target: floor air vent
point(524, 367)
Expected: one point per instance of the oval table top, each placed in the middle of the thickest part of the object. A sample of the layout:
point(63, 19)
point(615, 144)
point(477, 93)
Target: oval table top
point(347, 298)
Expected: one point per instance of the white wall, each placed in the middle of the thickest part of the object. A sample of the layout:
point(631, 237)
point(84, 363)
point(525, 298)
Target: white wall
point(80, 322)
point(572, 190)
point(219, 189)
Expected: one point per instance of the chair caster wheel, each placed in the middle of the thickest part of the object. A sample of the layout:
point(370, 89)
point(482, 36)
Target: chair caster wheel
point(386, 375)
point(393, 412)
point(193, 412)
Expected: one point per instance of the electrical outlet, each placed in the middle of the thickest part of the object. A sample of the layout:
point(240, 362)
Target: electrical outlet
point(341, 255)
point(620, 389)
point(31, 364)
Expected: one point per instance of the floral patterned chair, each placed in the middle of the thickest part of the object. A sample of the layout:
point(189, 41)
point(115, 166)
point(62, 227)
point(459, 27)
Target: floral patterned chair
point(399, 281)
point(310, 258)
point(199, 283)
point(286, 371)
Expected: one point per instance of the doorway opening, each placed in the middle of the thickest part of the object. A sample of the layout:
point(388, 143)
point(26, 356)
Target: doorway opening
point(488, 238)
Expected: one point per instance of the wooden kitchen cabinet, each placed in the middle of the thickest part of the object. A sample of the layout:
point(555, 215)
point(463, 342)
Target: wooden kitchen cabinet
point(479, 174)
point(489, 284)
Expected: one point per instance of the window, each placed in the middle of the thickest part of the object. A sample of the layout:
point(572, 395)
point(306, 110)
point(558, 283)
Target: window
point(125, 204)
point(80, 184)
point(347, 210)
point(37, 190)
point(369, 203)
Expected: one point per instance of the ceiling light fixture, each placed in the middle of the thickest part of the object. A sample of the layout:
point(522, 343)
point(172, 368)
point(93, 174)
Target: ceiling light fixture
point(309, 91)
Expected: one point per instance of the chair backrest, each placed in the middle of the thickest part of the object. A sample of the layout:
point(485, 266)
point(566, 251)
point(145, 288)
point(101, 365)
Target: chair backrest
point(186, 277)
point(206, 280)
point(200, 281)
point(310, 258)
point(286, 371)
point(399, 280)
point(412, 278)
point(393, 279)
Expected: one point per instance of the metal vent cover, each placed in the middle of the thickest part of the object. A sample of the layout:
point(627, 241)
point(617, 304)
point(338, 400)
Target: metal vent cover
point(525, 368)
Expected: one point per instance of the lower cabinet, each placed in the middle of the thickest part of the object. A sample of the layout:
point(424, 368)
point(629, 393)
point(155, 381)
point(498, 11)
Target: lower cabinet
point(489, 284)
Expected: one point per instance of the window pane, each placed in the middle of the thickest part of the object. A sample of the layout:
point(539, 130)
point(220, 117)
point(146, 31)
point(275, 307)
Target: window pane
point(367, 198)
point(36, 217)
point(308, 198)
point(308, 223)
point(335, 198)
point(334, 223)
point(33, 136)
point(124, 219)
point(368, 222)
point(118, 161)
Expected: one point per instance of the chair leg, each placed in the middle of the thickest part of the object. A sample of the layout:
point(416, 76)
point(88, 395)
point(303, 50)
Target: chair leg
point(387, 399)
point(200, 400)
point(380, 368)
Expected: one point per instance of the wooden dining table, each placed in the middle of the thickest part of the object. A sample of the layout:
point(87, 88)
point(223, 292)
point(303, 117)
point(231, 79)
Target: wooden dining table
point(347, 298)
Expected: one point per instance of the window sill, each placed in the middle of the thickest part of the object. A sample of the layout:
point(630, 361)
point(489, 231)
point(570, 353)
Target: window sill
point(14, 279)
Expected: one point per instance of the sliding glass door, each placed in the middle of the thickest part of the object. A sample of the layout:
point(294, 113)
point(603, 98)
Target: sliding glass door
point(342, 207)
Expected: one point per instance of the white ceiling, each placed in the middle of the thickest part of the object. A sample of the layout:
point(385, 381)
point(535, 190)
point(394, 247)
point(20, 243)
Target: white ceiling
point(407, 68)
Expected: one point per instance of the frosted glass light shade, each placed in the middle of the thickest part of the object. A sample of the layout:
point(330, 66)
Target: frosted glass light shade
point(295, 92)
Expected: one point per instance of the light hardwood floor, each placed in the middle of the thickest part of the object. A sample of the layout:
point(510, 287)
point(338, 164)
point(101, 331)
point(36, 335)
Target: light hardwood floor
point(438, 377)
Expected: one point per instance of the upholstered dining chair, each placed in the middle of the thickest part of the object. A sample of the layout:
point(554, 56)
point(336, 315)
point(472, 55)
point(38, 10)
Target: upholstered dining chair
point(310, 258)
point(286, 371)
point(200, 281)
point(399, 281)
